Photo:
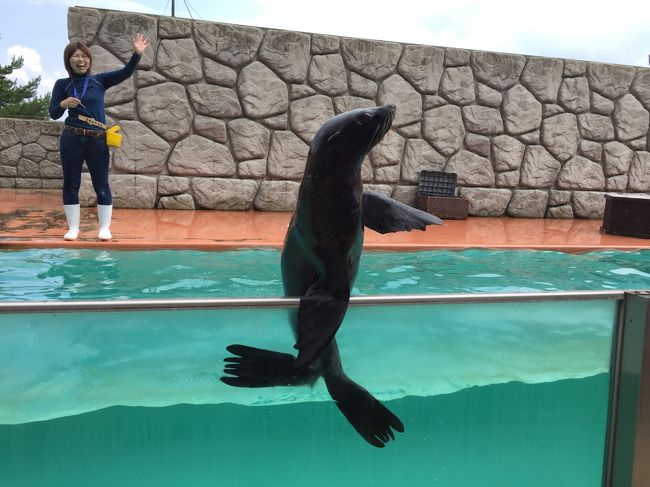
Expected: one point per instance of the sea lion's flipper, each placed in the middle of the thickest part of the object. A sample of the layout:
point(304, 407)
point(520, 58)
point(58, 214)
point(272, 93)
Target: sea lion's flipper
point(372, 420)
point(321, 311)
point(386, 215)
point(254, 367)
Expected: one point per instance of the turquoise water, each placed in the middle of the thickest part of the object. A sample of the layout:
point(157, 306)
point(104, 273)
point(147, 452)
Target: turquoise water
point(491, 395)
point(55, 274)
point(507, 435)
point(62, 364)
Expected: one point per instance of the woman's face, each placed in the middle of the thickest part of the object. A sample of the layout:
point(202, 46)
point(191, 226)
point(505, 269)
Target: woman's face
point(79, 62)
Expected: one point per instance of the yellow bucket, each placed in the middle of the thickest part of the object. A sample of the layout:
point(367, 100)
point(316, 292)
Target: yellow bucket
point(113, 139)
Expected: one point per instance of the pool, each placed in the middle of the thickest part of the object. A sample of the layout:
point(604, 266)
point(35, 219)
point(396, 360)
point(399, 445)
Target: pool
point(489, 393)
point(61, 274)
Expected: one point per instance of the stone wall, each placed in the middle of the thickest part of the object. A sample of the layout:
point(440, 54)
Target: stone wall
point(221, 116)
point(29, 154)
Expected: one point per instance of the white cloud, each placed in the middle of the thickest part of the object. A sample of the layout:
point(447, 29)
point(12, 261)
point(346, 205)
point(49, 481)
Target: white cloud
point(47, 83)
point(32, 67)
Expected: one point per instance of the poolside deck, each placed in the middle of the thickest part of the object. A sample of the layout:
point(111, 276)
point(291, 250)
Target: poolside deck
point(35, 218)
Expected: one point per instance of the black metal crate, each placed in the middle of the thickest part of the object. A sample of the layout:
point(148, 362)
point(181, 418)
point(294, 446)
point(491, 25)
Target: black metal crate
point(437, 183)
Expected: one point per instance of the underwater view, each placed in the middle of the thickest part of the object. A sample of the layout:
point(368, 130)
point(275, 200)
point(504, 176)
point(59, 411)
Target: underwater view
point(503, 435)
point(494, 394)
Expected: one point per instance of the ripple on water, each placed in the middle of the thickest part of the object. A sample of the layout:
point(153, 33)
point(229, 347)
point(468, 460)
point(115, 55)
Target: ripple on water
point(51, 274)
point(629, 272)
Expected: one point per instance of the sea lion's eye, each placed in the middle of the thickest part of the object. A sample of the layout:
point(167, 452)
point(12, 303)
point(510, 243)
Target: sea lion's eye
point(365, 117)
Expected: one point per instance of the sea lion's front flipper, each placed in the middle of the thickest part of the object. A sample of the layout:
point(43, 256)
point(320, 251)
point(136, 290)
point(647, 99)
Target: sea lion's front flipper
point(255, 367)
point(372, 420)
point(321, 312)
point(385, 215)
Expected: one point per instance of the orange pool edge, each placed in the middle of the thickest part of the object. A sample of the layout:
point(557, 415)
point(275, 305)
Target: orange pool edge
point(35, 219)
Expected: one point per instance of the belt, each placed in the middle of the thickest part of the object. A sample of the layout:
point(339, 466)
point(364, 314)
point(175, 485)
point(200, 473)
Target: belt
point(99, 134)
point(92, 121)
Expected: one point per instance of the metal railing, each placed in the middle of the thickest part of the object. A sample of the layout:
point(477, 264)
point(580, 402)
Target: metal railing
point(405, 299)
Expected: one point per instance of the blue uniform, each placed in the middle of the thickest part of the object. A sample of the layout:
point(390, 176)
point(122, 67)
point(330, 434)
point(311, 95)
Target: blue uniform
point(75, 148)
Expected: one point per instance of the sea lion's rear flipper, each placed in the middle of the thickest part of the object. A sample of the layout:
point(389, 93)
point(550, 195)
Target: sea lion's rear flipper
point(372, 420)
point(386, 215)
point(321, 311)
point(254, 367)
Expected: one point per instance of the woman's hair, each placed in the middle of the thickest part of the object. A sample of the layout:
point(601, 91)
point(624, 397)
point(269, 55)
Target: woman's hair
point(70, 49)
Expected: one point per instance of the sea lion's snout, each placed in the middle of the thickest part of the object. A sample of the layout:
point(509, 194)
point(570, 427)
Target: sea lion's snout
point(384, 115)
point(390, 116)
point(390, 109)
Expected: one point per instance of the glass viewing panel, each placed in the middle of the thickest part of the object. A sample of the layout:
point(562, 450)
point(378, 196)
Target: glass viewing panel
point(505, 394)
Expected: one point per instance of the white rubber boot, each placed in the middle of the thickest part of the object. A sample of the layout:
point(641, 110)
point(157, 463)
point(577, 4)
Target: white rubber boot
point(72, 215)
point(104, 213)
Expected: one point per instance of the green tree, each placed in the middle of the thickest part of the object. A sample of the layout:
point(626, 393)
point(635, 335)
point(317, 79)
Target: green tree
point(21, 101)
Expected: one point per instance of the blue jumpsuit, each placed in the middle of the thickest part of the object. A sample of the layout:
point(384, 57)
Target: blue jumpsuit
point(74, 149)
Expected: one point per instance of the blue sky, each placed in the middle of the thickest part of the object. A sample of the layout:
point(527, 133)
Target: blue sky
point(596, 30)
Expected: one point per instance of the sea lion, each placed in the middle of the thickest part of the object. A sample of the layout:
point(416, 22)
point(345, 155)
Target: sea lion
point(320, 259)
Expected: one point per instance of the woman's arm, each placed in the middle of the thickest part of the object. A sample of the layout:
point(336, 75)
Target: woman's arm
point(58, 95)
point(59, 104)
point(112, 78)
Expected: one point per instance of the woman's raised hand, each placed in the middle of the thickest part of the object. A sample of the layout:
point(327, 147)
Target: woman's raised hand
point(140, 43)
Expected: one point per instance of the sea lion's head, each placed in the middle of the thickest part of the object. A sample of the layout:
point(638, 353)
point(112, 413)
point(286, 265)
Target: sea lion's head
point(344, 140)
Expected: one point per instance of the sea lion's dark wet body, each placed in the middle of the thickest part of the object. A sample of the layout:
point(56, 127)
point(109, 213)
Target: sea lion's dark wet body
point(320, 260)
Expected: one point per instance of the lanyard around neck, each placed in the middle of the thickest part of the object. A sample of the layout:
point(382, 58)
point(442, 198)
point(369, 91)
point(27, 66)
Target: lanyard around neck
point(83, 91)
